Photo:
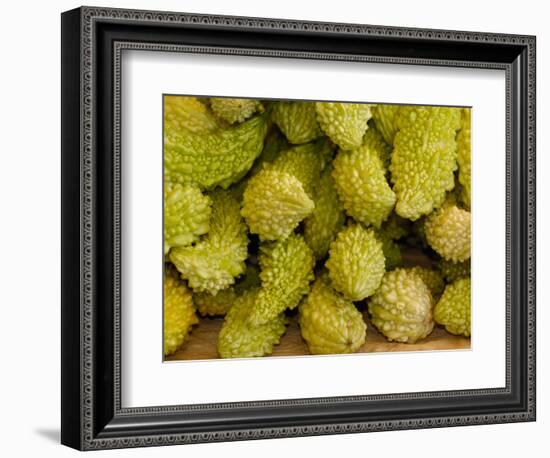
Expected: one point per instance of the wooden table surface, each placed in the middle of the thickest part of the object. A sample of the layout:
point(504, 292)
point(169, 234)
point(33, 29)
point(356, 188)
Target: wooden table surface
point(201, 344)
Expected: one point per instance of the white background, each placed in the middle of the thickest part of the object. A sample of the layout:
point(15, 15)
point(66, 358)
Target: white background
point(147, 76)
point(30, 245)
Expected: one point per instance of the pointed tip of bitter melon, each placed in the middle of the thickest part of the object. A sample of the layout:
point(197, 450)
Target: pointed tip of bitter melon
point(344, 123)
point(274, 203)
point(238, 338)
point(297, 121)
point(286, 272)
point(329, 323)
point(234, 110)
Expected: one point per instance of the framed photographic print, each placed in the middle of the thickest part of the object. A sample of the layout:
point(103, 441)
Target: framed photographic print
point(277, 228)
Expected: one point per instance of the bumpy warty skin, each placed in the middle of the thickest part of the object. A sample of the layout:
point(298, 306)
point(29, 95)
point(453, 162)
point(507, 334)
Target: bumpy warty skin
point(327, 219)
point(210, 157)
point(188, 114)
point(218, 258)
point(464, 156)
point(330, 193)
point(186, 215)
point(279, 197)
point(297, 121)
point(401, 308)
point(234, 110)
point(286, 272)
point(385, 120)
point(423, 158)
point(448, 232)
point(238, 338)
point(329, 323)
point(305, 162)
point(274, 144)
point(374, 141)
point(344, 123)
point(432, 278)
point(361, 183)
point(356, 262)
point(453, 309)
point(274, 203)
point(179, 311)
point(219, 304)
point(453, 270)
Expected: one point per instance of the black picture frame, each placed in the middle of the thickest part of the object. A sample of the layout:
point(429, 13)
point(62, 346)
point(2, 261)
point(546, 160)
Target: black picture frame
point(92, 40)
